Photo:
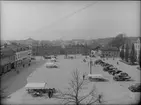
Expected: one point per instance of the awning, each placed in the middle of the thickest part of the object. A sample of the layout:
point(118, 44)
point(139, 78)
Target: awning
point(35, 85)
point(94, 75)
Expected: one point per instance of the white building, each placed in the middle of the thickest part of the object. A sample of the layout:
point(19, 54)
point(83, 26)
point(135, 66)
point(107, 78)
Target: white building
point(137, 46)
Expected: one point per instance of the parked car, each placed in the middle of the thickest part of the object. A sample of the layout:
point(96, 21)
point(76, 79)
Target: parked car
point(47, 57)
point(51, 65)
point(105, 64)
point(121, 78)
point(33, 58)
point(135, 87)
point(117, 72)
point(122, 74)
point(107, 68)
point(112, 71)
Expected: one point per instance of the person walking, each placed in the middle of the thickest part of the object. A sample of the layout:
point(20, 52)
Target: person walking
point(49, 93)
point(83, 76)
point(99, 98)
point(117, 63)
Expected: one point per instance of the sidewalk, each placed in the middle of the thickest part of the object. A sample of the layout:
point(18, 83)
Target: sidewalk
point(12, 81)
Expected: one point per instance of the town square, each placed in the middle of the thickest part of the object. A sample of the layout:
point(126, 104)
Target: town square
point(57, 55)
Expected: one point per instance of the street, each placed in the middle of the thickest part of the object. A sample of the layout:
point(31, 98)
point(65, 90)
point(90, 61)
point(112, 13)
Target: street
point(114, 92)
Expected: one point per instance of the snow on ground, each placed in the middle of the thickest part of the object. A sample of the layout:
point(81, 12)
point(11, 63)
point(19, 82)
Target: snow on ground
point(13, 81)
point(114, 92)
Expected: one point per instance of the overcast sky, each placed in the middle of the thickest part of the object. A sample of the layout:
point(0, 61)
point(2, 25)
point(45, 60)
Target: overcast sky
point(69, 19)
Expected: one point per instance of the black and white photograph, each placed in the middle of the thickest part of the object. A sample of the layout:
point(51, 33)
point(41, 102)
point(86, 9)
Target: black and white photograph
point(70, 52)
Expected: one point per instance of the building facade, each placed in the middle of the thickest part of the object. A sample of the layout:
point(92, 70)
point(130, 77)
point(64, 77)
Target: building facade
point(74, 49)
point(109, 52)
point(7, 58)
point(137, 46)
point(23, 55)
point(39, 50)
point(45, 50)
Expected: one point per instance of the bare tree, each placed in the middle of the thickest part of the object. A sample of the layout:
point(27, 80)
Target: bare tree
point(75, 93)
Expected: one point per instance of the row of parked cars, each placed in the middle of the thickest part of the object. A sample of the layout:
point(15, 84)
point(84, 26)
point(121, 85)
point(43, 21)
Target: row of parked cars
point(118, 75)
point(51, 61)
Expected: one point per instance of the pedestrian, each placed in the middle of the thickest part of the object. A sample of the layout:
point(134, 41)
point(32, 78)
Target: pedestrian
point(83, 76)
point(117, 63)
point(99, 98)
point(17, 71)
point(49, 93)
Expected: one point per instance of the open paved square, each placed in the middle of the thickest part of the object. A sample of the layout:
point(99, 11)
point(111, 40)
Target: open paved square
point(113, 92)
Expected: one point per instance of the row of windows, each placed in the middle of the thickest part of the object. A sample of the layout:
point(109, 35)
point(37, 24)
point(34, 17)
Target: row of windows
point(137, 46)
point(110, 52)
point(23, 54)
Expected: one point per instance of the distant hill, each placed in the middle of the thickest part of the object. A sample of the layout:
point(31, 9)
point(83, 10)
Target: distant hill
point(93, 42)
point(104, 41)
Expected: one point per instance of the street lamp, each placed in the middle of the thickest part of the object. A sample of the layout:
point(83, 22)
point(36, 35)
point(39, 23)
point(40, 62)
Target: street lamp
point(90, 64)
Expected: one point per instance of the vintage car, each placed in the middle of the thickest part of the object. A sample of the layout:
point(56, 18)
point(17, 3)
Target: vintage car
point(33, 58)
point(53, 59)
point(135, 87)
point(122, 74)
point(47, 57)
point(116, 72)
point(51, 65)
point(121, 78)
point(112, 71)
point(108, 68)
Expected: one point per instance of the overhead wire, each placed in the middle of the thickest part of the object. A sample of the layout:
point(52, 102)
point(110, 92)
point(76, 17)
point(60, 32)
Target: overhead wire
point(69, 15)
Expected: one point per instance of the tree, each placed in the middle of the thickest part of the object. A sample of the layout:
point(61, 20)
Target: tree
point(73, 95)
point(122, 52)
point(126, 53)
point(118, 41)
point(133, 55)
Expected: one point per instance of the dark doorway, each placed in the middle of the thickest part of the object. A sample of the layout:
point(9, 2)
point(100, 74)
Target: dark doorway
point(12, 66)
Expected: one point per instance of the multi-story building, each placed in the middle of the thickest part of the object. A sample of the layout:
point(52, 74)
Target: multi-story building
point(109, 52)
point(75, 49)
point(22, 55)
point(7, 59)
point(137, 46)
point(45, 50)
point(40, 50)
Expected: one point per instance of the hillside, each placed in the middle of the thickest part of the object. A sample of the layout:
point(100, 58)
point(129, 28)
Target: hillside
point(92, 43)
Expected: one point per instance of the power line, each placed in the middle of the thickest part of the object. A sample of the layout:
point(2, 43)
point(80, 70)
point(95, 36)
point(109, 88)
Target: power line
point(70, 15)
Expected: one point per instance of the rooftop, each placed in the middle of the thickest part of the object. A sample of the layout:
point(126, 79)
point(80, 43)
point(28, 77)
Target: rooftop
point(109, 49)
point(6, 52)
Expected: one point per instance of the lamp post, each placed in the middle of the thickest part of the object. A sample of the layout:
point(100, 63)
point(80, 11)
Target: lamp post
point(90, 64)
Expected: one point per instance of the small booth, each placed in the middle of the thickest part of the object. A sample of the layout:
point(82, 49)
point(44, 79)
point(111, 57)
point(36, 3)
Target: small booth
point(36, 89)
point(96, 77)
